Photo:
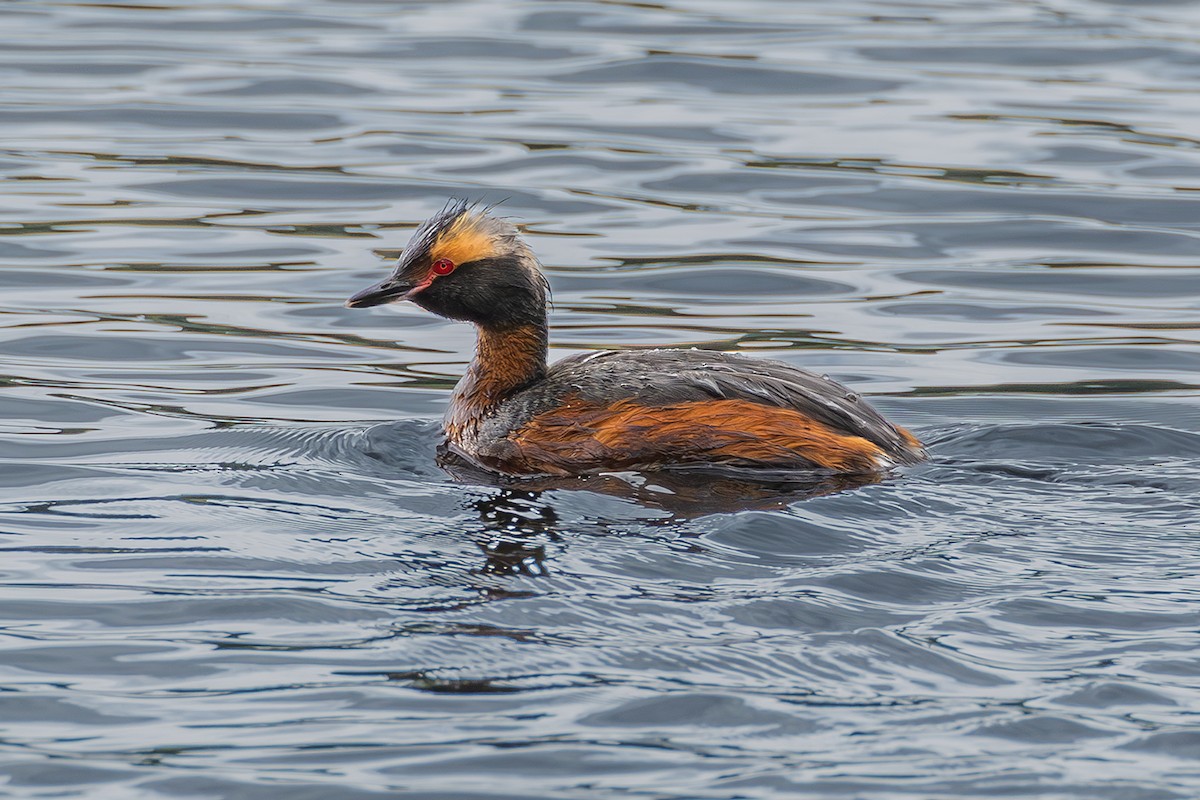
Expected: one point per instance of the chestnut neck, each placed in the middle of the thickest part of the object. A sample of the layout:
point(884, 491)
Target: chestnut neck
point(507, 359)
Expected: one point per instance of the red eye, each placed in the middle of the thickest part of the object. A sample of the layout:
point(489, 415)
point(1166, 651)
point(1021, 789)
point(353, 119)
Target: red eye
point(443, 266)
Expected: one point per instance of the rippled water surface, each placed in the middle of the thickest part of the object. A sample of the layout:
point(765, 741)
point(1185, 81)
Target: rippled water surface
point(233, 570)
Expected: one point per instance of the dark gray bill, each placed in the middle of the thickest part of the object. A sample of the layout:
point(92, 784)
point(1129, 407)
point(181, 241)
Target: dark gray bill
point(385, 291)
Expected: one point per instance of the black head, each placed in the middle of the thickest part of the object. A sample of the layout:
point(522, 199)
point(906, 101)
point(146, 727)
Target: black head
point(464, 264)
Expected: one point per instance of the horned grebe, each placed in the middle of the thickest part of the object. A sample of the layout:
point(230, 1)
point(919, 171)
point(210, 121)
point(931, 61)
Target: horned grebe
point(614, 410)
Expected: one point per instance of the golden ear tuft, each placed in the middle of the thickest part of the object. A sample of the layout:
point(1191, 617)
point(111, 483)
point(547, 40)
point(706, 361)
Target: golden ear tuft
point(467, 239)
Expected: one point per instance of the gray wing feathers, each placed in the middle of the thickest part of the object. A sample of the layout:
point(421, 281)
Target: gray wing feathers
point(661, 377)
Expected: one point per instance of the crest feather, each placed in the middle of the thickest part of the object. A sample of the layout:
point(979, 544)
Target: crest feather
point(470, 237)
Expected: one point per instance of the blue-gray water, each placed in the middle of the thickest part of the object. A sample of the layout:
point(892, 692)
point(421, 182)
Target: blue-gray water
point(231, 568)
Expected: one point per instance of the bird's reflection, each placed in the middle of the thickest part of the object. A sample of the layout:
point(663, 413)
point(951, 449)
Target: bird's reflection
point(519, 520)
point(516, 525)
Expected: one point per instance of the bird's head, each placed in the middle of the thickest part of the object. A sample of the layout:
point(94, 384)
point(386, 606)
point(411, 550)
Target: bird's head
point(463, 263)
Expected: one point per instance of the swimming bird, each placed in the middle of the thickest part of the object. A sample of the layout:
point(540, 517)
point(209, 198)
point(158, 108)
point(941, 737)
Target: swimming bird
point(514, 414)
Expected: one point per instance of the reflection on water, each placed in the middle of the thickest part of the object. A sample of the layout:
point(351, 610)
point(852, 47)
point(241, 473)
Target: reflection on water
point(681, 493)
point(235, 568)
